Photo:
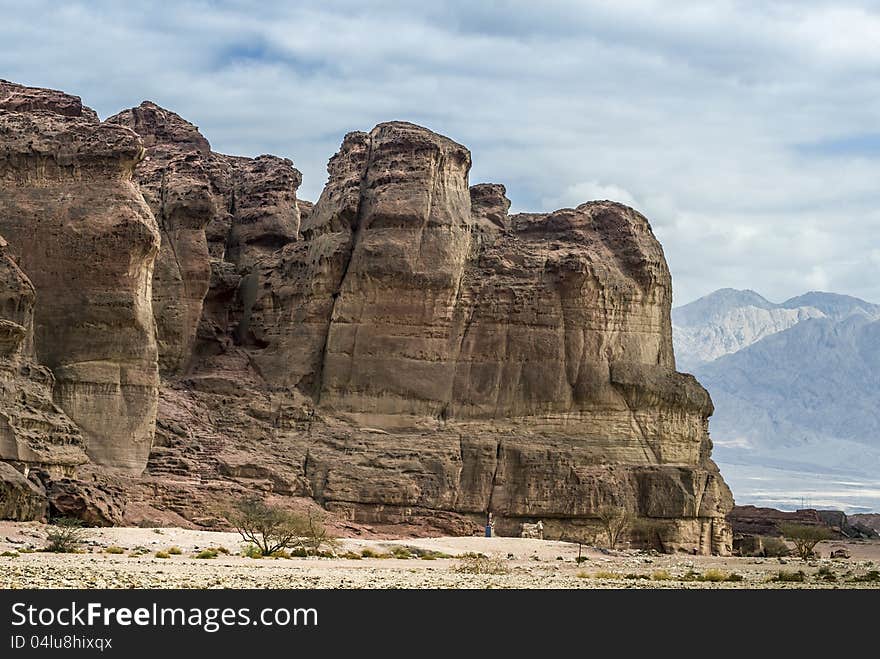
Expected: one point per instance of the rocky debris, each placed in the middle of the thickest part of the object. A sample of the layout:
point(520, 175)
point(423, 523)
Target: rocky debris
point(93, 503)
point(79, 227)
point(20, 499)
point(33, 430)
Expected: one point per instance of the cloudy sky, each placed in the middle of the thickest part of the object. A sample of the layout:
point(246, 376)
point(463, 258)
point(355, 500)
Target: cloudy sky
point(747, 132)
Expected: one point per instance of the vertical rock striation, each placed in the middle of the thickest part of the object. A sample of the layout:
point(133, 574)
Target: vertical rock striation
point(520, 365)
point(79, 227)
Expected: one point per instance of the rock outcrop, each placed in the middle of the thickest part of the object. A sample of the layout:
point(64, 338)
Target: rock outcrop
point(80, 229)
point(20, 499)
point(404, 352)
point(212, 210)
point(33, 430)
point(520, 365)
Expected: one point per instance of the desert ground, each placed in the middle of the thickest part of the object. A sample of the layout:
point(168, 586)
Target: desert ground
point(524, 563)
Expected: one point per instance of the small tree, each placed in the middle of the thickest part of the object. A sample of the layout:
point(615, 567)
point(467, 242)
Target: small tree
point(270, 528)
point(615, 520)
point(805, 537)
point(65, 535)
point(315, 534)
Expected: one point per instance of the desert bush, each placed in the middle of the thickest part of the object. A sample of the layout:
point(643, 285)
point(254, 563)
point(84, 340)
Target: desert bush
point(65, 536)
point(790, 577)
point(250, 550)
point(207, 553)
point(825, 573)
point(113, 549)
point(614, 520)
point(583, 575)
point(316, 535)
point(401, 553)
point(805, 537)
point(713, 575)
point(480, 564)
point(869, 577)
point(9, 554)
point(775, 547)
point(162, 554)
point(351, 556)
point(634, 575)
point(174, 551)
point(372, 553)
point(270, 528)
point(604, 574)
point(661, 575)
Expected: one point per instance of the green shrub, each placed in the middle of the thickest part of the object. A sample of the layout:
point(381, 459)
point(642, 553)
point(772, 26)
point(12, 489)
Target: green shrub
point(9, 554)
point(784, 576)
point(174, 551)
point(661, 575)
point(280, 553)
point(162, 554)
point(65, 536)
point(428, 557)
point(299, 552)
point(351, 556)
point(583, 575)
point(372, 553)
point(713, 575)
point(401, 552)
point(251, 551)
point(113, 549)
point(805, 537)
point(207, 553)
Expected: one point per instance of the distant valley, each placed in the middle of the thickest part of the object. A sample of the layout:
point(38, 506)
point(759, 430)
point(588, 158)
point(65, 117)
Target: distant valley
point(796, 387)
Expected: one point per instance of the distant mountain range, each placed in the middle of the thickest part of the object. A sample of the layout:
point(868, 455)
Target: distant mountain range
point(796, 388)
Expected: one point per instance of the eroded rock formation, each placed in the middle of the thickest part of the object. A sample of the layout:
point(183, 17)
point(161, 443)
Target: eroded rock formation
point(33, 430)
point(208, 205)
point(520, 365)
point(80, 229)
point(403, 352)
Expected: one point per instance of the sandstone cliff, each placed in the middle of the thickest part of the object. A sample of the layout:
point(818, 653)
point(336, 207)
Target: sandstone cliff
point(33, 430)
point(404, 352)
point(79, 228)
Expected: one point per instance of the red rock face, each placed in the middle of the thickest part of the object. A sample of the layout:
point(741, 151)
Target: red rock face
point(79, 227)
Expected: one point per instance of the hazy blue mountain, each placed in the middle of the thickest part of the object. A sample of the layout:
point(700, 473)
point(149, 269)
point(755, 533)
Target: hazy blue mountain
point(728, 320)
point(796, 388)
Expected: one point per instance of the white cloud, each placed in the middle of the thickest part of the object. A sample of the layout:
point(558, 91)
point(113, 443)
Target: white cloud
point(693, 112)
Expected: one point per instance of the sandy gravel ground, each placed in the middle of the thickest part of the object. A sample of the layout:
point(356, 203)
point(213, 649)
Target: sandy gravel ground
point(529, 564)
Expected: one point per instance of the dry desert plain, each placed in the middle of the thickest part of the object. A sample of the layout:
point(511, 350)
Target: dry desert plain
point(526, 563)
